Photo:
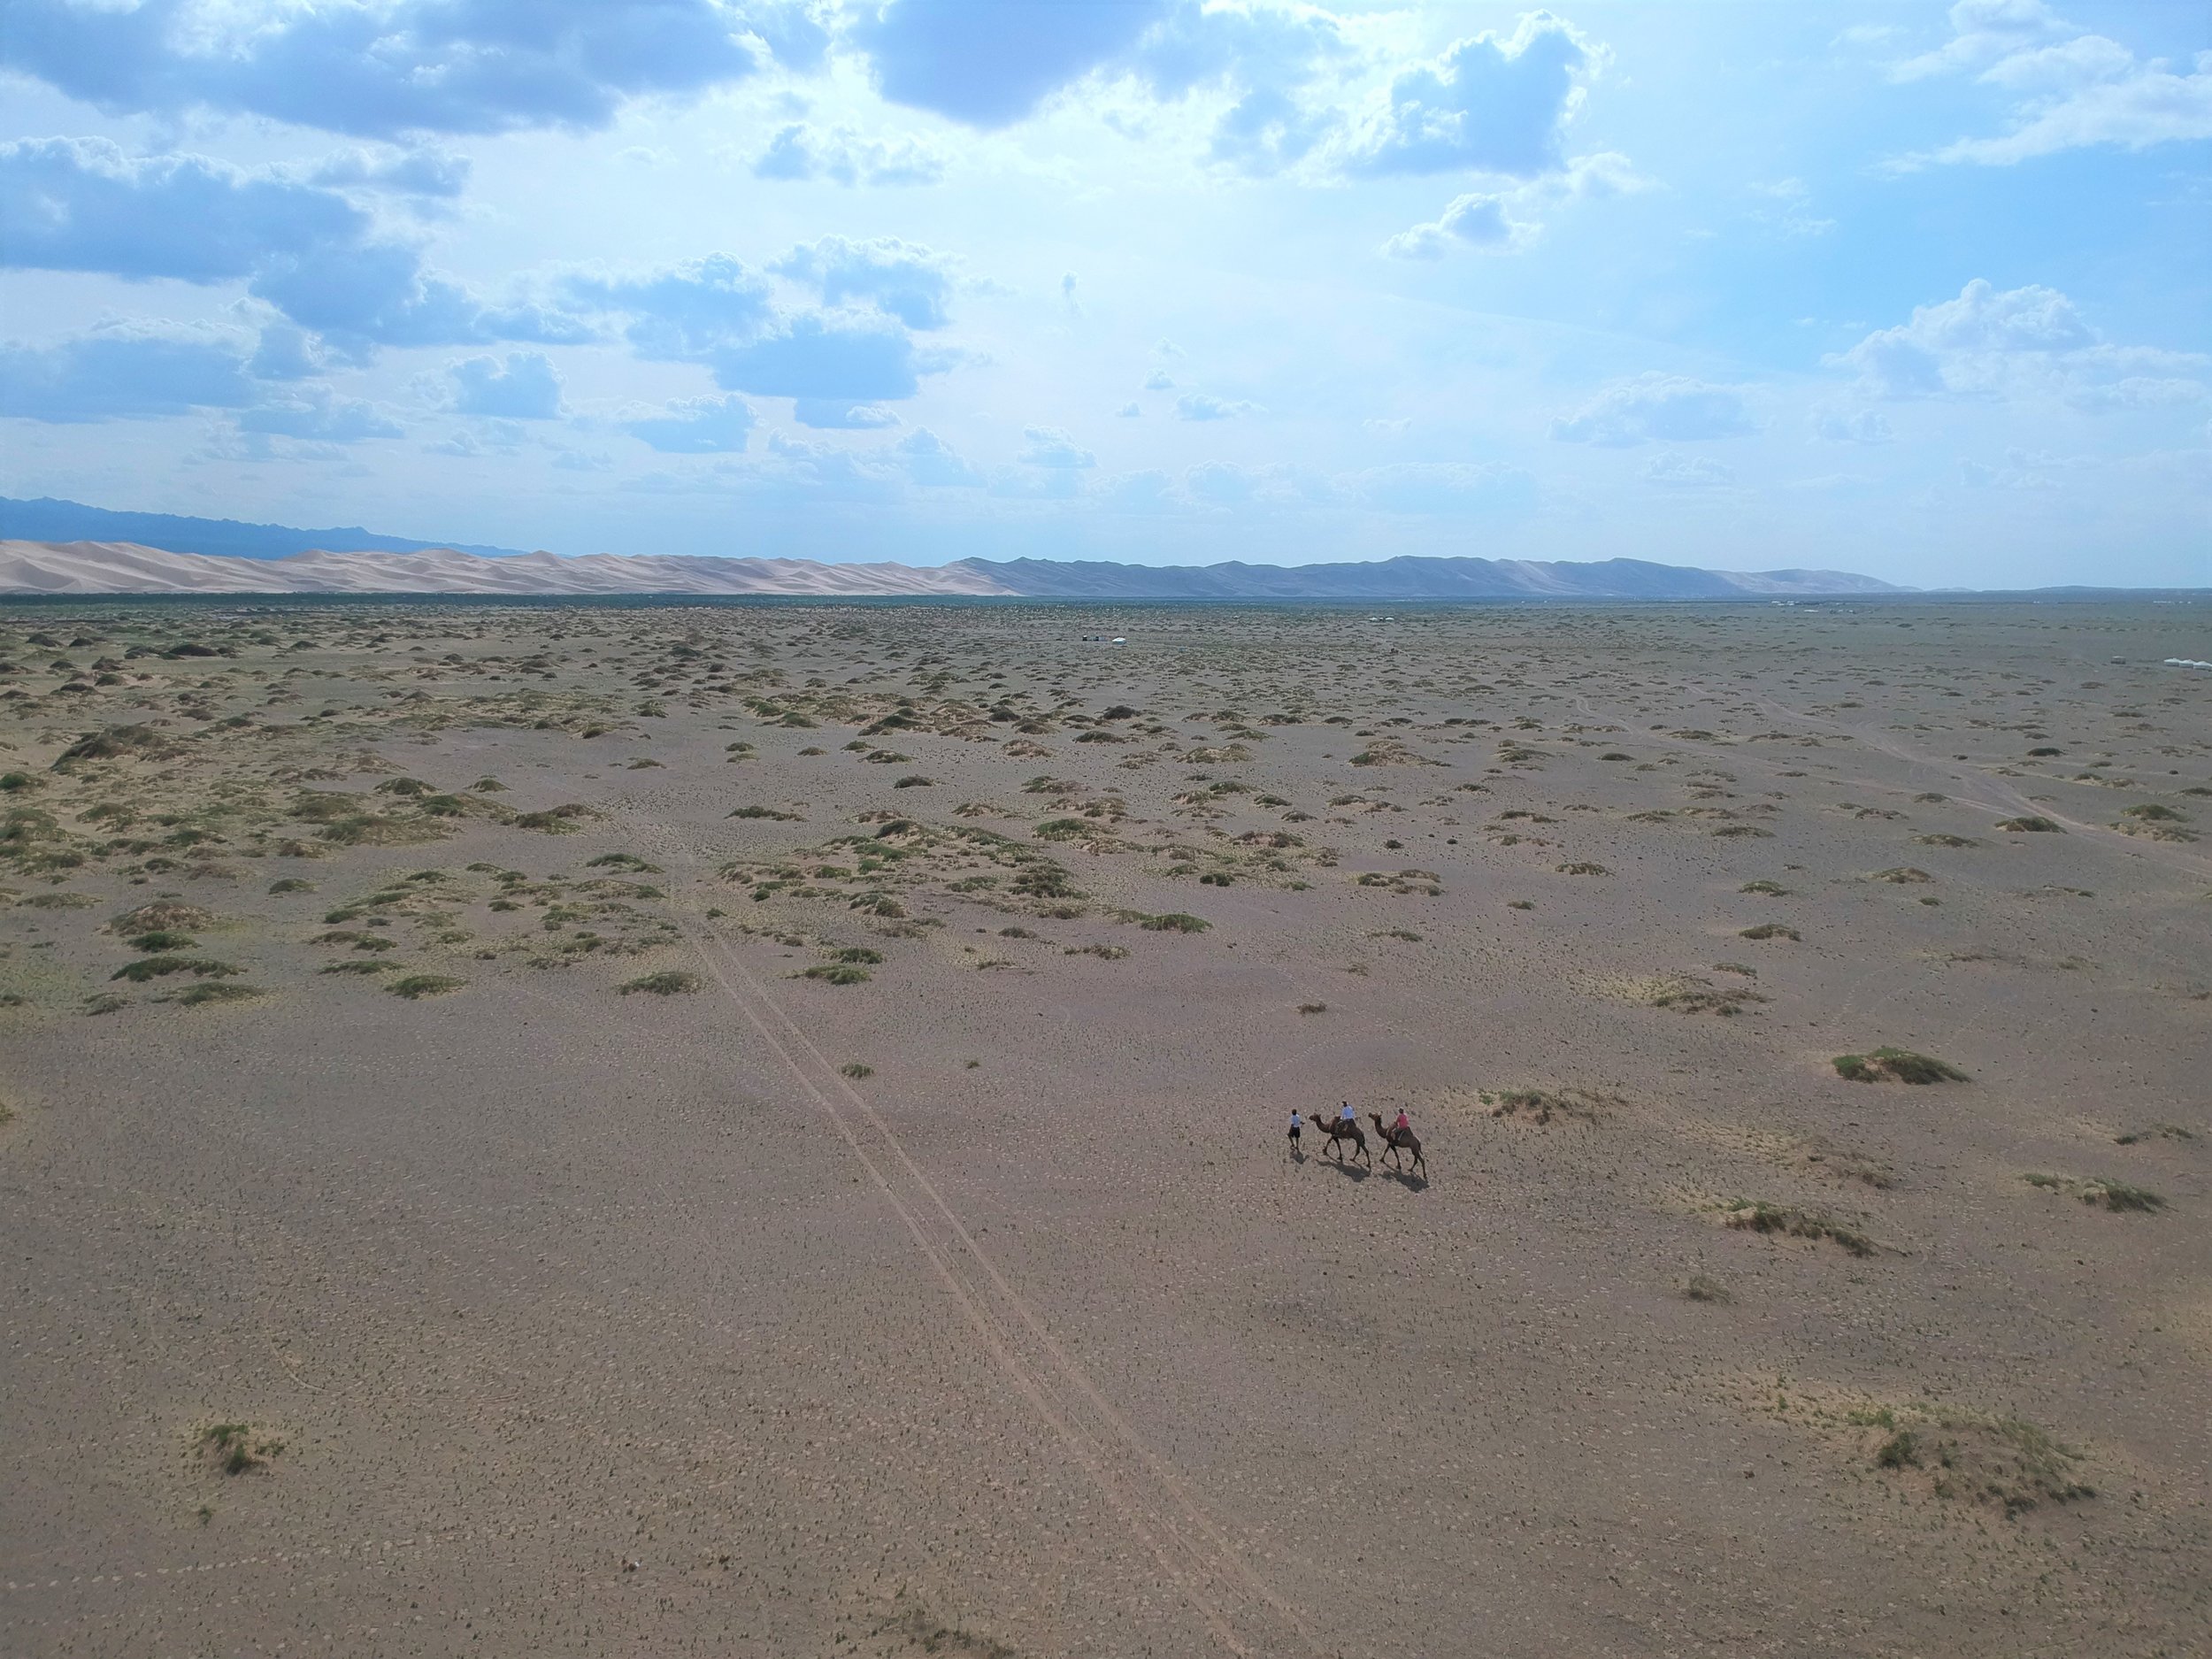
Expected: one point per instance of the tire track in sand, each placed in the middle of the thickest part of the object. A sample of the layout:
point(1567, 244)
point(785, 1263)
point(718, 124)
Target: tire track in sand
point(1241, 1611)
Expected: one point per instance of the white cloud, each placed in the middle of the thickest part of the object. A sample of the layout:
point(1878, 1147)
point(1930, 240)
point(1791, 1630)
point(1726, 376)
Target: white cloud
point(1993, 342)
point(2072, 90)
point(799, 152)
point(1487, 220)
point(1049, 446)
point(1676, 471)
point(1656, 407)
point(1852, 425)
point(524, 388)
point(1203, 406)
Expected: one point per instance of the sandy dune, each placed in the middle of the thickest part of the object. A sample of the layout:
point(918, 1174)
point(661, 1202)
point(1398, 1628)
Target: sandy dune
point(760, 1130)
point(116, 568)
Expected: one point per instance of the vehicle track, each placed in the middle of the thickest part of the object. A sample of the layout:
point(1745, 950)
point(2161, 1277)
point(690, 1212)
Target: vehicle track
point(1242, 1612)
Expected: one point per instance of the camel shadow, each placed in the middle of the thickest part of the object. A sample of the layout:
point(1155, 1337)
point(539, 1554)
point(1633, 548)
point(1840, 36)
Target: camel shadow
point(1412, 1180)
point(1356, 1171)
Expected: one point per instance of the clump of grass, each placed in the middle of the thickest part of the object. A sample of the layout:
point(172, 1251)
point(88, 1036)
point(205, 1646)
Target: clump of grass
point(1537, 1105)
point(2097, 1189)
point(1519, 904)
point(1173, 922)
point(164, 915)
point(1901, 1066)
point(915, 781)
point(2152, 812)
point(1745, 969)
point(629, 862)
point(416, 985)
point(291, 883)
point(372, 965)
point(1767, 930)
point(855, 1070)
point(859, 953)
point(2157, 1132)
point(195, 995)
point(105, 1003)
point(1584, 868)
point(1974, 1456)
point(667, 982)
point(1755, 1216)
point(766, 812)
point(1772, 889)
point(1313, 1007)
point(1947, 840)
point(1903, 875)
point(1689, 994)
point(158, 967)
point(161, 940)
point(1110, 953)
point(1697, 1287)
point(2030, 826)
point(235, 1448)
point(836, 973)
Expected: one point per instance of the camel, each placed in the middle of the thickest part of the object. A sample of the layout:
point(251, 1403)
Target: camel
point(1396, 1140)
point(1343, 1129)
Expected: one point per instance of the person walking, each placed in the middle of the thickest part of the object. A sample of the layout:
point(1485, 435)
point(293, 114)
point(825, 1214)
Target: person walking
point(1294, 1125)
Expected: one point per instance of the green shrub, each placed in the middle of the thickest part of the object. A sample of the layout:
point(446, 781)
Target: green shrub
point(668, 982)
point(416, 985)
point(1896, 1064)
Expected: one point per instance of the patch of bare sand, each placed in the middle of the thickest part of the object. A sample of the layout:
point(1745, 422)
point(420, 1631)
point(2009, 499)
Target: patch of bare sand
point(826, 1191)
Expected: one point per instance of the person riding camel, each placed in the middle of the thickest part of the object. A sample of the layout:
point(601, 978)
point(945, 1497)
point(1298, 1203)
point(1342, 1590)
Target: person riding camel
point(1347, 1115)
point(1401, 1125)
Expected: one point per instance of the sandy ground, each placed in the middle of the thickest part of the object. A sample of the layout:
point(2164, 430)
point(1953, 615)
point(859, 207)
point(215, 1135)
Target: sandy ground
point(759, 1131)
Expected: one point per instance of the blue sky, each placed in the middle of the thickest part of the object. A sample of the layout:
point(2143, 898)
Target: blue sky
point(1917, 291)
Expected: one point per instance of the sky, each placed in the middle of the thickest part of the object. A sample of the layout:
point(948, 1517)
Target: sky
point(1919, 292)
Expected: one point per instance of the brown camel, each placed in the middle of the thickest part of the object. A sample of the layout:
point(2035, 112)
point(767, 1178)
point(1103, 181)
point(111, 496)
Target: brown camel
point(1343, 1129)
point(1398, 1140)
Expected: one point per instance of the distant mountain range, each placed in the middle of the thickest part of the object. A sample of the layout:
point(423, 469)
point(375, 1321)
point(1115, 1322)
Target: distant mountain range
point(59, 546)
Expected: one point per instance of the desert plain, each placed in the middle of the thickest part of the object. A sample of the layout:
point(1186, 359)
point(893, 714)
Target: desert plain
point(759, 1129)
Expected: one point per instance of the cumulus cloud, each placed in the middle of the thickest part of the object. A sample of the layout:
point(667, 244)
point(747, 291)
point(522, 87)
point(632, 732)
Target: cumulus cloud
point(125, 371)
point(1651, 407)
point(839, 414)
point(930, 461)
point(1852, 425)
point(1218, 483)
point(698, 426)
point(1203, 406)
point(2002, 343)
point(1052, 449)
point(1496, 221)
point(427, 173)
point(905, 282)
point(800, 153)
point(989, 63)
point(2070, 89)
point(813, 356)
point(1676, 471)
point(85, 204)
point(1488, 104)
point(1474, 221)
point(387, 68)
point(684, 312)
point(524, 388)
point(319, 414)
